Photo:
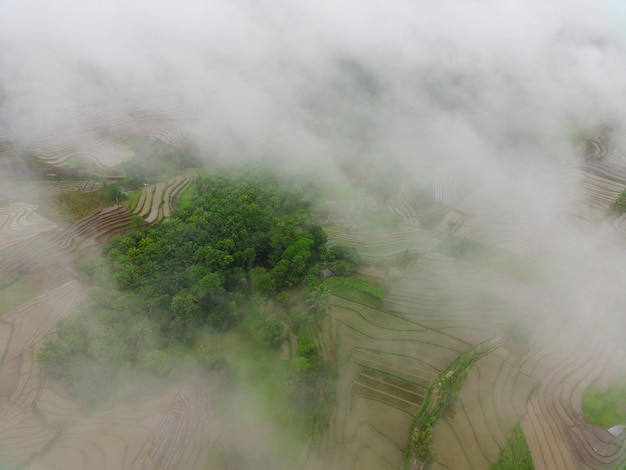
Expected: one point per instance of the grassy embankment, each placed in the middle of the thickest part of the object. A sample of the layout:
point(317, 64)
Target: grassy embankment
point(356, 289)
point(496, 258)
point(516, 455)
point(606, 408)
point(58, 192)
point(442, 394)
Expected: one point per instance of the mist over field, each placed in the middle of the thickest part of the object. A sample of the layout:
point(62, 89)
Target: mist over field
point(456, 85)
point(497, 99)
point(483, 92)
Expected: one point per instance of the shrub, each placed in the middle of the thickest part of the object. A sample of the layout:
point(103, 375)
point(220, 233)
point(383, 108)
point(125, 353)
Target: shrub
point(159, 362)
point(272, 333)
point(620, 202)
point(345, 253)
point(53, 356)
point(516, 455)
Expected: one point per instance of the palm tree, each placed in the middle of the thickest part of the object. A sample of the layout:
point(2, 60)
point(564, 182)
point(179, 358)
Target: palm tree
point(318, 299)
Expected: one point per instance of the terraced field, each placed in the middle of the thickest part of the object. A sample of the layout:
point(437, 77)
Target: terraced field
point(592, 192)
point(24, 431)
point(385, 364)
point(494, 395)
point(182, 437)
point(438, 305)
point(99, 132)
point(557, 433)
point(155, 201)
point(85, 185)
point(378, 244)
point(389, 357)
point(64, 245)
point(458, 303)
point(19, 222)
point(41, 426)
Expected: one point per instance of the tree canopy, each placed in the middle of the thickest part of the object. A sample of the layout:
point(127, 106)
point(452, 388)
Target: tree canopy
point(244, 232)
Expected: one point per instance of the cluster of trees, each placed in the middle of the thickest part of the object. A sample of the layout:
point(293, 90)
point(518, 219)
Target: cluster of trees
point(313, 377)
point(243, 233)
point(93, 349)
point(244, 236)
point(313, 380)
point(241, 251)
point(113, 192)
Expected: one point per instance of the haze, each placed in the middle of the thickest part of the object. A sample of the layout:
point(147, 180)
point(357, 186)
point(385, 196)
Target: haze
point(496, 96)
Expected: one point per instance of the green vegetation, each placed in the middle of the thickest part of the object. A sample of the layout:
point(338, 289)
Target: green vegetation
point(258, 389)
point(132, 200)
point(238, 257)
point(187, 196)
point(93, 350)
point(313, 381)
point(356, 289)
point(154, 161)
point(79, 162)
point(441, 395)
point(516, 455)
point(242, 232)
point(77, 204)
point(492, 257)
point(354, 203)
point(620, 203)
point(113, 193)
point(606, 408)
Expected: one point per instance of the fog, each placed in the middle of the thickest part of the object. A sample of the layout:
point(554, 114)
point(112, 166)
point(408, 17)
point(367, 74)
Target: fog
point(491, 94)
point(361, 80)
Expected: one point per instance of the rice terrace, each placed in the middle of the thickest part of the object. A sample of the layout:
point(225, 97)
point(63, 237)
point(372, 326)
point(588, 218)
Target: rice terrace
point(359, 235)
point(431, 323)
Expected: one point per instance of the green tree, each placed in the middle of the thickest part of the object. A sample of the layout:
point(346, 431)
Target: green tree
point(185, 313)
point(301, 364)
point(54, 356)
point(137, 222)
point(318, 299)
point(346, 253)
point(159, 362)
point(272, 333)
point(261, 281)
point(113, 193)
point(298, 316)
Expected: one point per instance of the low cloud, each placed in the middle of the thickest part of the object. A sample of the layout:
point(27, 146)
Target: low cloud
point(452, 84)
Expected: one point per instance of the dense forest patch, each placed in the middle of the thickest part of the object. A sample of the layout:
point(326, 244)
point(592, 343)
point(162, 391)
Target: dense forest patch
point(241, 257)
point(242, 234)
